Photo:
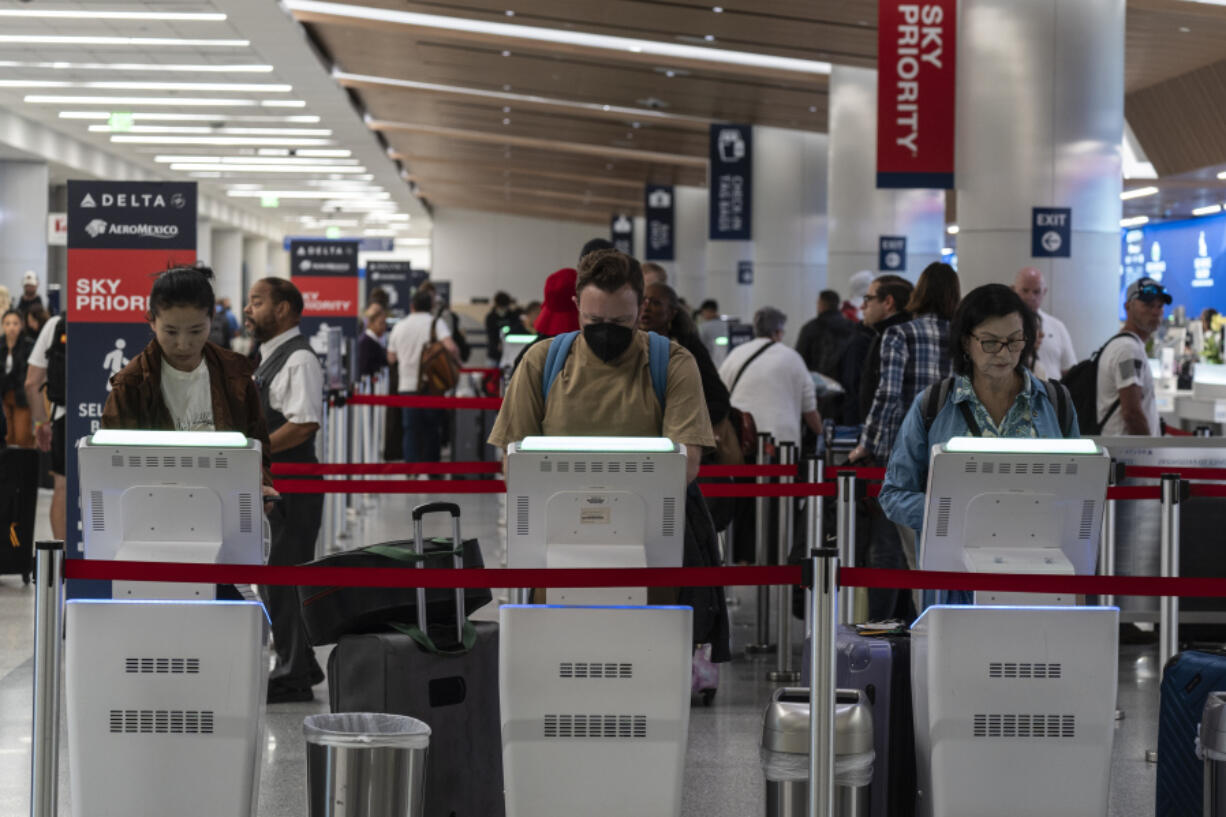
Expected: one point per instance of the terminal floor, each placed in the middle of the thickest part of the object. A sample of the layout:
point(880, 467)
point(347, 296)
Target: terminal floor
point(723, 778)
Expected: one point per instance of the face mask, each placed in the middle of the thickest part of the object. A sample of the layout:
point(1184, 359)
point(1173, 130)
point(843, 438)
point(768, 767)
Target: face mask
point(607, 340)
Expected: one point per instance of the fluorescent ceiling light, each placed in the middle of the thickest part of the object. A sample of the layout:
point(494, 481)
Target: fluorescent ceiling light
point(329, 222)
point(952, 229)
point(521, 99)
point(222, 131)
point(214, 140)
point(615, 445)
point(90, 14)
point(1020, 445)
point(227, 168)
point(140, 66)
point(379, 231)
point(103, 116)
point(562, 37)
point(131, 42)
point(1138, 192)
point(1134, 221)
point(124, 101)
point(142, 85)
point(307, 194)
point(282, 103)
point(324, 153)
point(1208, 210)
point(331, 164)
point(947, 251)
point(173, 439)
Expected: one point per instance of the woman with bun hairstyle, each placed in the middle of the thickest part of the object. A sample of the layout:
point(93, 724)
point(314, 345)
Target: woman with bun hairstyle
point(181, 381)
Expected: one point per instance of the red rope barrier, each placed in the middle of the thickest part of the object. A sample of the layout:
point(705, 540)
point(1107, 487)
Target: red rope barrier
point(431, 577)
point(747, 471)
point(489, 370)
point(423, 401)
point(1134, 492)
point(312, 469)
point(1202, 490)
point(742, 489)
point(1156, 472)
point(390, 486)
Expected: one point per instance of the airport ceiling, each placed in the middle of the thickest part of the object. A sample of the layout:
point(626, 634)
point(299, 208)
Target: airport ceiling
point(518, 106)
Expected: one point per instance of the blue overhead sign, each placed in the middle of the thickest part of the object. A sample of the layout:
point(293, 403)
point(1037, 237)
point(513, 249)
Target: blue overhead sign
point(660, 211)
point(730, 189)
point(621, 230)
point(367, 244)
point(1051, 232)
point(744, 272)
point(892, 253)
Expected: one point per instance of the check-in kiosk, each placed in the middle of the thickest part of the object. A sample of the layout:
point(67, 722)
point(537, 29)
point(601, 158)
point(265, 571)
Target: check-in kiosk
point(1014, 697)
point(165, 683)
point(595, 685)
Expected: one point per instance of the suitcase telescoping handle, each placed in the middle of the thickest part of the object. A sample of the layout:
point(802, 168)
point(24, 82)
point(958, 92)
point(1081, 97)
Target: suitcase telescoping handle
point(457, 543)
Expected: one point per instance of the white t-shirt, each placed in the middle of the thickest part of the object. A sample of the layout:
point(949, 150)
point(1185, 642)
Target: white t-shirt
point(1123, 363)
point(408, 338)
point(38, 355)
point(1056, 352)
point(188, 397)
point(776, 388)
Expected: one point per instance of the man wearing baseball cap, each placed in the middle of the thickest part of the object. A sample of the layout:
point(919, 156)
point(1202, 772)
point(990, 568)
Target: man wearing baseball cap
point(29, 295)
point(1125, 383)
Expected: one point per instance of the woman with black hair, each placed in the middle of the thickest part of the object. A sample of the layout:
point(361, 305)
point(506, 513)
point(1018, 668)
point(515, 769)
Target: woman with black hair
point(181, 381)
point(991, 394)
point(15, 350)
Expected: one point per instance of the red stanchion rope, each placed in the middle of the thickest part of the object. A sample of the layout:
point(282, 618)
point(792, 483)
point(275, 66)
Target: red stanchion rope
point(742, 489)
point(489, 370)
point(390, 486)
point(1156, 472)
point(637, 577)
point(1134, 492)
point(747, 471)
point(422, 401)
point(312, 469)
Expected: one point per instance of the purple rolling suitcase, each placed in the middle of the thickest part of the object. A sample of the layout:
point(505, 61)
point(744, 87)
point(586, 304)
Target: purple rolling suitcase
point(880, 666)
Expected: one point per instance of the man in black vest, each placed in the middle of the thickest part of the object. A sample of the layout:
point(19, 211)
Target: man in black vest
point(290, 380)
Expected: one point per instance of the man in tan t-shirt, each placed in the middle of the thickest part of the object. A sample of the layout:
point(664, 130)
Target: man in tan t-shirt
point(605, 385)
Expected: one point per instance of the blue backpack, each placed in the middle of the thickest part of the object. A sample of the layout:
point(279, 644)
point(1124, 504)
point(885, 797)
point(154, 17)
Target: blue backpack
point(657, 358)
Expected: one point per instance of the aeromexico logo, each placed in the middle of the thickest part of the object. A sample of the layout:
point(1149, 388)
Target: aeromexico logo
point(98, 227)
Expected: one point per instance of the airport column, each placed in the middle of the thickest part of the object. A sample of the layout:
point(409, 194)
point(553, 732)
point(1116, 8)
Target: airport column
point(204, 241)
point(789, 191)
point(255, 262)
point(861, 215)
point(24, 202)
point(690, 243)
point(227, 264)
point(1039, 125)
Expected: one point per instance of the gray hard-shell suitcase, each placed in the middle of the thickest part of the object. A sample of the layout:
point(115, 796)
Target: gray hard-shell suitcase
point(456, 694)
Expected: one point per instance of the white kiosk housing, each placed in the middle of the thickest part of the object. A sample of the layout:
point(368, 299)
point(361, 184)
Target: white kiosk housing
point(595, 686)
point(165, 685)
point(1014, 705)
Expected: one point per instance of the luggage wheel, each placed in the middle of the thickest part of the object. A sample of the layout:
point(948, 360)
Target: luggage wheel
point(708, 696)
point(25, 578)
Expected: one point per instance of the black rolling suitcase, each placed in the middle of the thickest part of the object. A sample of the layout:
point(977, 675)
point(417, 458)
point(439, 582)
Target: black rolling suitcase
point(18, 504)
point(1187, 680)
point(453, 689)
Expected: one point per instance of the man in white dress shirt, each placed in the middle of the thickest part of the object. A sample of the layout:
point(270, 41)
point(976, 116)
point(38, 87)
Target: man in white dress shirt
point(1056, 350)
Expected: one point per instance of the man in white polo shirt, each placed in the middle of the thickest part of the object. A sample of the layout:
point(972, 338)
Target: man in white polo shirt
point(1056, 351)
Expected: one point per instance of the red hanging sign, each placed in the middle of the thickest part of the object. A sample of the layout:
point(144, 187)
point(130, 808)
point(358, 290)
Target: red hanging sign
point(916, 46)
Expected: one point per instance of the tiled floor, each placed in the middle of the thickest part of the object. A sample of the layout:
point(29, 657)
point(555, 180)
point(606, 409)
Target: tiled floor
point(723, 777)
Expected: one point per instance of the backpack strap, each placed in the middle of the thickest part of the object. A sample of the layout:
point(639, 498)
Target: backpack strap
point(1058, 395)
point(1115, 404)
point(559, 348)
point(933, 400)
point(657, 359)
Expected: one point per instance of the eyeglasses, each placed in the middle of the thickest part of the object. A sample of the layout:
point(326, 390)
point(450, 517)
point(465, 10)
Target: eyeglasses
point(991, 346)
point(868, 298)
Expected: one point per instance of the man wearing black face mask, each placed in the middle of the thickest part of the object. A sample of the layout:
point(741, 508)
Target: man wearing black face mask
point(606, 385)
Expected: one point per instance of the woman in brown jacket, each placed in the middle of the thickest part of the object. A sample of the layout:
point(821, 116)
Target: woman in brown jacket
point(181, 382)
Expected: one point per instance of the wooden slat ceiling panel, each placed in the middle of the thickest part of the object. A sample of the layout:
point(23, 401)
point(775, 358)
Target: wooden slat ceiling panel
point(1166, 38)
point(1181, 123)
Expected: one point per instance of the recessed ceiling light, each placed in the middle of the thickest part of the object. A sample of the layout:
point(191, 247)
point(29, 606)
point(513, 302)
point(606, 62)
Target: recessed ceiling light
point(506, 108)
point(506, 121)
point(709, 37)
point(90, 14)
point(506, 87)
point(952, 229)
point(1184, 30)
point(670, 74)
point(131, 42)
point(1138, 192)
point(636, 124)
point(1135, 221)
point(509, 13)
point(558, 36)
point(506, 53)
point(717, 9)
point(812, 109)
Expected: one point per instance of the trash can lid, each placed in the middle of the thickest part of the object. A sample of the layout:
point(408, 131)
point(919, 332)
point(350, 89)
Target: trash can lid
point(366, 730)
point(785, 726)
point(1213, 723)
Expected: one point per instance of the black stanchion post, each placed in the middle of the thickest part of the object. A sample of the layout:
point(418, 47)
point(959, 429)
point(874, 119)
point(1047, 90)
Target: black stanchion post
point(48, 649)
point(761, 554)
point(783, 672)
point(823, 601)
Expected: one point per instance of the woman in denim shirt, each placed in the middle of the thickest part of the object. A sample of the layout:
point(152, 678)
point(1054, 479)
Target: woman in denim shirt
point(994, 394)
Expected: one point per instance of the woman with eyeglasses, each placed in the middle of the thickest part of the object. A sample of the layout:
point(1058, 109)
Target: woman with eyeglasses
point(991, 394)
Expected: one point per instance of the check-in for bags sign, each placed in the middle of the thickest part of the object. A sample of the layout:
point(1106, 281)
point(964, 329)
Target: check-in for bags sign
point(731, 183)
point(659, 209)
point(916, 43)
point(621, 232)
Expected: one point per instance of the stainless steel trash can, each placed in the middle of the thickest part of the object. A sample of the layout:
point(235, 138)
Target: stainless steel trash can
point(785, 753)
point(365, 764)
point(1213, 746)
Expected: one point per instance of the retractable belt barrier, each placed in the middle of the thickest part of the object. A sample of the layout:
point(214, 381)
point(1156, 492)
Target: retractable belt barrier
point(423, 401)
point(749, 576)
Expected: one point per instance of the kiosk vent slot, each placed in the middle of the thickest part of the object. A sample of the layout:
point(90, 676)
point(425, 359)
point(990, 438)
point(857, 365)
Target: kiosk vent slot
point(185, 462)
point(203, 462)
point(649, 467)
point(1023, 669)
point(596, 726)
point(151, 462)
point(168, 462)
point(97, 521)
point(546, 467)
point(117, 461)
point(521, 515)
point(971, 467)
point(161, 666)
point(1071, 469)
point(944, 506)
point(246, 516)
point(597, 468)
point(632, 468)
point(1053, 468)
point(1000, 725)
point(1006, 468)
point(134, 462)
point(1022, 468)
point(564, 468)
point(594, 670)
point(989, 468)
point(615, 468)
point(581, 468)
point(1087, 519)
point(161, 722)
point(220, 462)
point(669, 527)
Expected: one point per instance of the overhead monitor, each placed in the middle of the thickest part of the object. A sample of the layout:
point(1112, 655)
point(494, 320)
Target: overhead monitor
point(579, 502)
point(1009, 505)
point(172, 496)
